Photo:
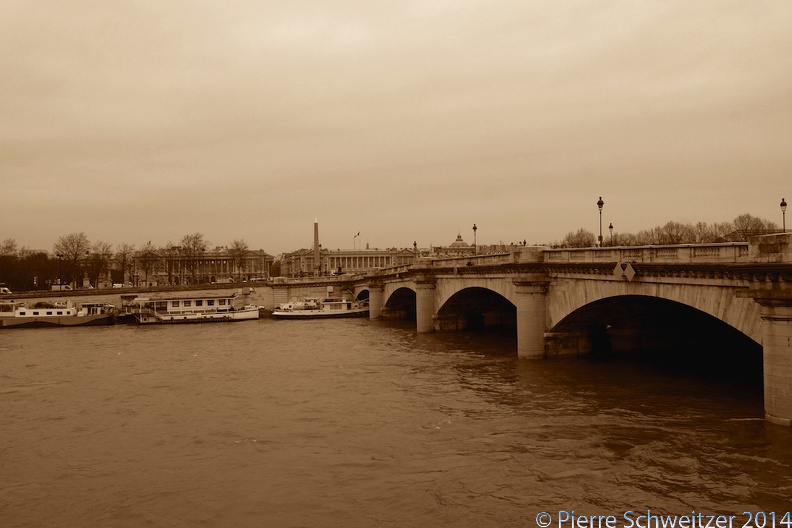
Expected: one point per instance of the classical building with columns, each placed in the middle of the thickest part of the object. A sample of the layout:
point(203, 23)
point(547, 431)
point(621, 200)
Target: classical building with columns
point(220, 265)
point(302, 263)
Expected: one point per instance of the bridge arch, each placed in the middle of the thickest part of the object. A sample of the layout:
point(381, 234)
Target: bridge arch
point(362, 293)
point(667, 331)
point(476, 308)
point(741, 313)
point(400, 304)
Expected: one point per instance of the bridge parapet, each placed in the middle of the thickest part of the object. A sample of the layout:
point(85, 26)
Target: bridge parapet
point(771, 248)
point(765, 249)
point(729, 252)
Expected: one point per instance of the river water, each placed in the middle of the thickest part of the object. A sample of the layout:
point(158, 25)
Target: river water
point(357, 423)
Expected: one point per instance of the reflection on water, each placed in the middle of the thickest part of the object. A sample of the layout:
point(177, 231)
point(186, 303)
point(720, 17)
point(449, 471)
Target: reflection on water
point(360, 423)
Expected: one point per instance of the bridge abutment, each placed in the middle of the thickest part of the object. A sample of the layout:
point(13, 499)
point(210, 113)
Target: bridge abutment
point(531, 297)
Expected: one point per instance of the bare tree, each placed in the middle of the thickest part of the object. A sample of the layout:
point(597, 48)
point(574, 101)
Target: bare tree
point(99, 261)
point(747, 225)
point(722, 230)
point(71, 250)
point(192, 249)
point(123, 259)
point(578, 239)
point(8, 248)
point(238, 250)
point(674, 233)
point(8, 255)
point(146, 259)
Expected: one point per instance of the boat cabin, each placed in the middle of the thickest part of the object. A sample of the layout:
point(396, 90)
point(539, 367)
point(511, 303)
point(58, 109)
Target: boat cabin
point(187, 305)
point(44, 312)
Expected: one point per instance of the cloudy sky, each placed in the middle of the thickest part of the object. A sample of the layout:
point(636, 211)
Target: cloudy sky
point(146, 120)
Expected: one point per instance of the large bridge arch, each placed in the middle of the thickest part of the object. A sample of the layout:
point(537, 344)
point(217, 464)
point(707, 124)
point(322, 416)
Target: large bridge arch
point(662, 329)
point(742, 313)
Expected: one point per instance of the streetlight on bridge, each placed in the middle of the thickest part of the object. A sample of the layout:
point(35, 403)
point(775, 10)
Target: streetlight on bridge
point(783, 213)
point(600, 203)
point(610, 227)
point(475, 247)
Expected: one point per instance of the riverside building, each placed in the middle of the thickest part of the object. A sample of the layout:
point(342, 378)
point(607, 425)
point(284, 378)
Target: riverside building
point(174, 267)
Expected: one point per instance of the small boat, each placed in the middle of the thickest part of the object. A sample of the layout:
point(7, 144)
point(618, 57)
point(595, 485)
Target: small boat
point(19, 315)
point(321, 308)
point(206, 308)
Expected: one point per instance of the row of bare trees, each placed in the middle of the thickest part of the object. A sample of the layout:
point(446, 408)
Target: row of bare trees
point(739, 230)
point(74, 256)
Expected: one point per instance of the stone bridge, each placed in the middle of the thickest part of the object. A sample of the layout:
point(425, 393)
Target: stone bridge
point(715, 301)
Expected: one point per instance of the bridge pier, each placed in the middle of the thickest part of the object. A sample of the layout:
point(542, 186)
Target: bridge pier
point(375, 300)
point(777, 359)
point(531, 297)
point(424, 304)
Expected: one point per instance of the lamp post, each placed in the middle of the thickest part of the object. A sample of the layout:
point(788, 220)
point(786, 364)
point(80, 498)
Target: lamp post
point(600, 203)
point(610, 228)
point(783, 213)
point(415, 251)
point(475, 247)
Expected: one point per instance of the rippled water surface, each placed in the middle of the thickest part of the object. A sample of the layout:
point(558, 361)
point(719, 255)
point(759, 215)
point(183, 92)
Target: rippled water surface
point(357, 423)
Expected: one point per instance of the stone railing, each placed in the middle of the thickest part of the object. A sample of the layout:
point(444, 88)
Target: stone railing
point(730, 252)
point(768, 248)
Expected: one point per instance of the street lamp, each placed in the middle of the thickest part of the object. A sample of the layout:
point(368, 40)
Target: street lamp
point(475, 247)
point(415, 251)
point(600, 203)
point(783, 213)
point(610, 227)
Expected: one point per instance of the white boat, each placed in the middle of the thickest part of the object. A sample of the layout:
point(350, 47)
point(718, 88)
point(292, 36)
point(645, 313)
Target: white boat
point(18, 315)
point(321, 308)
point(204, 308)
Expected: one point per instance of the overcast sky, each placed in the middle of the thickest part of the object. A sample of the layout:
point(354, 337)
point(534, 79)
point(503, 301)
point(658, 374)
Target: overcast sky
point(146, 120)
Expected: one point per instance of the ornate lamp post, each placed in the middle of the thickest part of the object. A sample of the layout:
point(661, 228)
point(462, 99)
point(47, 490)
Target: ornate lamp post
point(610, 228)
point(600, 203)
point(783, 213)
point(475, 247)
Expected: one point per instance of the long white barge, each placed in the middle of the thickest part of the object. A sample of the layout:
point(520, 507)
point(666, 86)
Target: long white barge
point(321, 309)
point(18, 315)
point(204, 308)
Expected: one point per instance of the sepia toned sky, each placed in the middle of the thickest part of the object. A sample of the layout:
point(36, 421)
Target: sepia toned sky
point(143, 120)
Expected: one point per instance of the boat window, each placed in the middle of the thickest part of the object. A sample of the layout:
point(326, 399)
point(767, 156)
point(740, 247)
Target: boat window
point(210, 302)
point(187, 303)
point(222, 302)
point(22, 313)
point(175, 303)
point(60, 313)
point(35, 313)
point(49, 313)
point(198, 303)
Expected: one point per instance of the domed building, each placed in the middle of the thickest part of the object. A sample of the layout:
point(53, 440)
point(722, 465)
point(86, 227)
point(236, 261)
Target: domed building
point(458, 248)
